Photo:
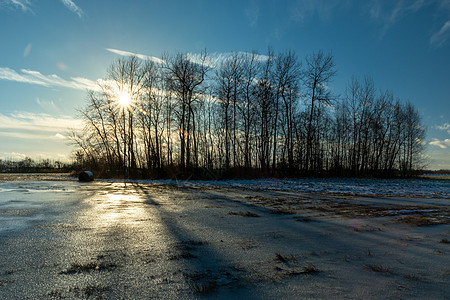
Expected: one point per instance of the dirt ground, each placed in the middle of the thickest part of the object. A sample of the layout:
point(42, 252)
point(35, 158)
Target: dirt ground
point(111, 240)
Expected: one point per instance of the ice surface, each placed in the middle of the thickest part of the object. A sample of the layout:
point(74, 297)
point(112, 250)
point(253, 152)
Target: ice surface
point(439, 189)
point(264, 239)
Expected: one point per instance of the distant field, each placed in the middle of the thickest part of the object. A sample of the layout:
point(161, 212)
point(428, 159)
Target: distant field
point(34, 176)
point(436, 176)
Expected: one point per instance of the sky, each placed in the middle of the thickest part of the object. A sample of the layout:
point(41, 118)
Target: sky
point(53, 52)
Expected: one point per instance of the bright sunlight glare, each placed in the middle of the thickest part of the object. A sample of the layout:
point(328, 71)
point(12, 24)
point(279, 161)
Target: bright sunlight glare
point(124, 99)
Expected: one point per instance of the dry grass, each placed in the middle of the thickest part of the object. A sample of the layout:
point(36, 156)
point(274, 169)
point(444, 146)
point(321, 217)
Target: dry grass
point(422, 220)
point(411, 277)
point(280, 211)
point(55, 294)
point(92, 290)
point(194, 243)
point(379, 269)
point(343, 206)
point(205, 287)
point(444, 241)
point(303, 219)
point(281, 258)
point(311, 269)
point(438, 177)
point(182, 254)
point(88, 267)
point(247, 214)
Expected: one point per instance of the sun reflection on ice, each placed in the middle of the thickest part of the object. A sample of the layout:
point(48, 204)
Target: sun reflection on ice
point(119, 205)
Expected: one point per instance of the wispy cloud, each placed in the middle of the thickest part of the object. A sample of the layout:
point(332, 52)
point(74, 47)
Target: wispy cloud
point(212, 60)
point(443, 35)
point(23, 5)
point(252, 13)
point(35, 77)
point(140, 56)
point(35, 135)
point(441, 144)
point(303, 10)
point(73, 7)
point(444, 127)
point(37, 122)
point(388, 13)
point(48, 106)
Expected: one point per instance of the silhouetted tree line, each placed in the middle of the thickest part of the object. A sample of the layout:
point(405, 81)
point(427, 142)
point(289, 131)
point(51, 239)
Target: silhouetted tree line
point(244, 115)
point(28, 165)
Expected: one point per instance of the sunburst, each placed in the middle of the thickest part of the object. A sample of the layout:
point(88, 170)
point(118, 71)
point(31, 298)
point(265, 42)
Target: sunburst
point(124, 99)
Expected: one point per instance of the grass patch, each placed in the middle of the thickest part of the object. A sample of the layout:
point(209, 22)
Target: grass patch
point(279, 211)
point(281, 258)
point(88, 267)
point(310, 270)
point(94, 290)
point(183, 254)
point(247, 214)
point(183, 249)
point(444, 241)
point(194, 243)
point(91, 290)
point(378, 269)
point(420, 220)
point(55, 294)
point(205, 287)
point(303, 219)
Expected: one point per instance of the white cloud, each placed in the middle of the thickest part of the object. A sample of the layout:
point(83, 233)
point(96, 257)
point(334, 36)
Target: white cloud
point(13, 155)
point(27, 136)
point(35, 77)
point(36, 135)
point(73, 7)
point(23, 5)
point(439, 38)
point(445, 127)
point(32, 122)
point(140, 56)
point(212, 60)
point(441, 144)
point(60, 136)
point(9, 74)
point(16, 156)
point(48, 106)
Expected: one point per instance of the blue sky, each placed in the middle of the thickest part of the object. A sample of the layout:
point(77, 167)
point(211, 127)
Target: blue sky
point(53, 51)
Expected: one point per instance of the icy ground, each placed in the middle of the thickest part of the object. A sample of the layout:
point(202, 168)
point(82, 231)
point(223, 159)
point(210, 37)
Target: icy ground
point(260, 239)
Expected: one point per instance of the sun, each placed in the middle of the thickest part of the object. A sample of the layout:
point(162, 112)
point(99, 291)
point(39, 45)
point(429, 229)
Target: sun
point(124, 99)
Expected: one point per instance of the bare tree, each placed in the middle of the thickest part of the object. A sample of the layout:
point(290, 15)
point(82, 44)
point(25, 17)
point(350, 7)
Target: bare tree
point(318, 72)
point(185, 78)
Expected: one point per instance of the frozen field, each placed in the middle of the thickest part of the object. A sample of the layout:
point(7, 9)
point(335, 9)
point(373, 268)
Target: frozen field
point(262, 239)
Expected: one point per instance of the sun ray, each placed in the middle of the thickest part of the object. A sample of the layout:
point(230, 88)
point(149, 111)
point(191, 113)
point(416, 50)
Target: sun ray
point(124, 99)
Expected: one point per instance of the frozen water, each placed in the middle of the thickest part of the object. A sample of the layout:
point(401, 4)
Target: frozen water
point(183, 239)
point(23, 203)
point(438, 189)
